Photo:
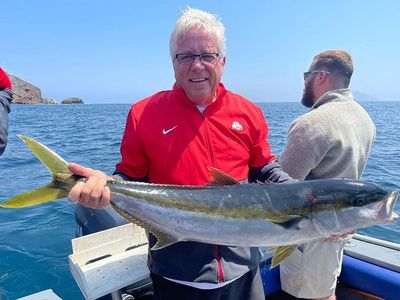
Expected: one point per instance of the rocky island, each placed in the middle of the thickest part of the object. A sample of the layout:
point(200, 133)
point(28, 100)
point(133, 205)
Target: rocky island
point(72, 100)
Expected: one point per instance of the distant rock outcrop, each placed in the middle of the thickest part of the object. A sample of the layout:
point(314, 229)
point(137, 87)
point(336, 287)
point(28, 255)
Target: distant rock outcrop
point(73, 100)
point(49, 101)
point(24, 92)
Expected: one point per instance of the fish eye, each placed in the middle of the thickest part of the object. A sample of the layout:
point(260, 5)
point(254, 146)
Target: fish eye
point(358, 201)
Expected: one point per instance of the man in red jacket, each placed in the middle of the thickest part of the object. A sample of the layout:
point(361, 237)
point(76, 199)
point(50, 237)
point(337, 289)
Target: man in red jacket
point(171, 138)
point(5, 100)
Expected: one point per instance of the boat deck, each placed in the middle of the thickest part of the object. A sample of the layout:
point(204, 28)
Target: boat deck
point(371, 267)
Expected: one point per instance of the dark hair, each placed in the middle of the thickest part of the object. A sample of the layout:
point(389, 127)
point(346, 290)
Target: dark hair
point(335, 61)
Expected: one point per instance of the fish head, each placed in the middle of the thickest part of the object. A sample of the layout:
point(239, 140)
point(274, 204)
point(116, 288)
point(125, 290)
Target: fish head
point(369, 193)
point(357, 204)
point(342, 193)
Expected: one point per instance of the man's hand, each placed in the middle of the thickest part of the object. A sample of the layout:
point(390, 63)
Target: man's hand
point(340, 237)
point(93, 193)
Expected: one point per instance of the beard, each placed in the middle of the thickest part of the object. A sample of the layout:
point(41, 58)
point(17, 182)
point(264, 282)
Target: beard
point(308, 98)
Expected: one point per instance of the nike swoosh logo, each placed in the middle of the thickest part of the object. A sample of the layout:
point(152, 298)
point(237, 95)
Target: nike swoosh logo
point(169, 130)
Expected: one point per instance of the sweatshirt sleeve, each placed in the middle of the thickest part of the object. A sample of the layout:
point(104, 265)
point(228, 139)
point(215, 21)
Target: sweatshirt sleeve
point(271, 172)
point(305, 148)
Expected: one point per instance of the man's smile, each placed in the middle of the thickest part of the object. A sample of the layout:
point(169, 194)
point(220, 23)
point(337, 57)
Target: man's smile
point(198, 80)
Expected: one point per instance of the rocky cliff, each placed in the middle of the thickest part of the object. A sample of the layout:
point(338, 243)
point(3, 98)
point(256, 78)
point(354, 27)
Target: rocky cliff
point(24, 92)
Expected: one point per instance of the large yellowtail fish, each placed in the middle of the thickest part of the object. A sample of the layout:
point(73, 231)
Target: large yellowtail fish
point(227, 213)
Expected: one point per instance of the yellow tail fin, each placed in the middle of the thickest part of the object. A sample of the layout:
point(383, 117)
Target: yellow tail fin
point(58, 188)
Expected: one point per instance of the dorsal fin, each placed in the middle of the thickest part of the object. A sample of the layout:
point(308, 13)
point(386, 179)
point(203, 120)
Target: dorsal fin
point(220, 178)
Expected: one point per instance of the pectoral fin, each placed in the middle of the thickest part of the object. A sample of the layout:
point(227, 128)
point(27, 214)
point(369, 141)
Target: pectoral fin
point(294, 223)
point(286, 221)
point(281, 253)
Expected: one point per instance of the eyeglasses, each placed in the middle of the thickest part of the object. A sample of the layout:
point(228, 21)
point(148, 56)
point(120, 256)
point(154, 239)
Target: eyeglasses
point(308, 73)
point(188, 58)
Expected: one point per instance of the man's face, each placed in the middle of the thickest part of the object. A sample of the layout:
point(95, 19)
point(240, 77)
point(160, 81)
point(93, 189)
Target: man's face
point(199, 79)
point(308, 98)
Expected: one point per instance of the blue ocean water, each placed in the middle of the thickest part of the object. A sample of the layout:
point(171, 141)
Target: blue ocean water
point(35, 241)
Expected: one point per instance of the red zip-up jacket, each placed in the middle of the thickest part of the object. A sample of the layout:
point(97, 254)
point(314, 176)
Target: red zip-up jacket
point(168, 140)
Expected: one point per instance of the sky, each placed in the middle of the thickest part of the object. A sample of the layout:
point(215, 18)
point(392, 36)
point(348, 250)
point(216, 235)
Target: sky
point(118, 51)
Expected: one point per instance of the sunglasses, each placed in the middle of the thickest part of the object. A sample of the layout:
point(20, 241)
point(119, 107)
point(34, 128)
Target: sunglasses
point(308, 73)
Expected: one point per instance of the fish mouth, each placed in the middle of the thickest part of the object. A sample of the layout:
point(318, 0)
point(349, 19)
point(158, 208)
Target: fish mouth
point(385, 209)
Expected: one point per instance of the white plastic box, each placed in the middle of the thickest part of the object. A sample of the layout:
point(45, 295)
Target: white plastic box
point(106, 261)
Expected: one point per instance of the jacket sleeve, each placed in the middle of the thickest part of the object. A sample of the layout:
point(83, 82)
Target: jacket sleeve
point(134, 162)
point(5, 100)
point(118, 175)
point(260, 150)
point(271, 172)
point(264, 166)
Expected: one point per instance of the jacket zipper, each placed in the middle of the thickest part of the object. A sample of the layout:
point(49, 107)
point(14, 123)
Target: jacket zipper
point(219, 265)
point(208, 141)
point(220, 272)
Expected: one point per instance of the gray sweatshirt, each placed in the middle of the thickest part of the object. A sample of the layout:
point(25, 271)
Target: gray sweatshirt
point(332, 140)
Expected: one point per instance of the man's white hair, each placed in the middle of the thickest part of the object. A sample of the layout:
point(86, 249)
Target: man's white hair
point(195, 18)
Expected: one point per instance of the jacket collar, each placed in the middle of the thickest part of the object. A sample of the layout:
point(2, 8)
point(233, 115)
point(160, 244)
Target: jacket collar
point(220, 93)
point(339, 95)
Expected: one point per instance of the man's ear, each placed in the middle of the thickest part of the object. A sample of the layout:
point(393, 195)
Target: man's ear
point(322, 77)
point(224, 61)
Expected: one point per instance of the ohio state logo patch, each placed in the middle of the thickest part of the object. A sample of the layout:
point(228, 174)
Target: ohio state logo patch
point(237, 126)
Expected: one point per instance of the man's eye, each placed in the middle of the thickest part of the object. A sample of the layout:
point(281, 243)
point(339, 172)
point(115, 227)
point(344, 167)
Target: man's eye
point(208, 57)
point(185, 58)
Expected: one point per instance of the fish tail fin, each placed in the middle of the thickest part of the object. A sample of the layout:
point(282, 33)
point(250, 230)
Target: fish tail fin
point(62, 178)
point(40, 195)
point(281, 253)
